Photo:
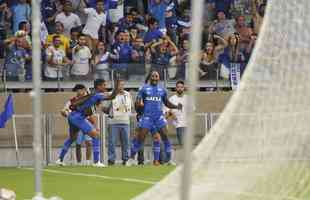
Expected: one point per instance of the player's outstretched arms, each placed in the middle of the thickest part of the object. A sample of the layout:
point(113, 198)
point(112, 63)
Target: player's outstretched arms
point(64, 112)
point(114, 92)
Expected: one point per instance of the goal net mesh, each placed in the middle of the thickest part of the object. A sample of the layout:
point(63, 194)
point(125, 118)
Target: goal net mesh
point(260, 146)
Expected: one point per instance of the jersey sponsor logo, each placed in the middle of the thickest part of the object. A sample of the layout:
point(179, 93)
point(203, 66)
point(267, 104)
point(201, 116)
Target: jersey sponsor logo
point(153, 98)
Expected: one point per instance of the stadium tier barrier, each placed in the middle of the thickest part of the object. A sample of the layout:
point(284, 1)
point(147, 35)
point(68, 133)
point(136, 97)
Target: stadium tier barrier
point(55, 131)
point(132, 74)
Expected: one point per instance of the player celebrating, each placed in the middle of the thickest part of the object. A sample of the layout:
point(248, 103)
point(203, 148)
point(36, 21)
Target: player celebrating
point(152, 97)
point(81, 91)
point(84, 107)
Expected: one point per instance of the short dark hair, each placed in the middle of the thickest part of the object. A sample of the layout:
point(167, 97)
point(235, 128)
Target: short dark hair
point(76, 29)
point(133, 10)
point(22, 24)
point(78, 87)
point(59, 22)
point(98, 82)
point(82, 35)
point(152, 21)
point(179, 82)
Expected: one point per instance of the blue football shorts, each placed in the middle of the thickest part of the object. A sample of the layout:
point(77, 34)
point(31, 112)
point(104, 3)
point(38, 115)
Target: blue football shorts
point(152, 124)
point(82, 138)
point(79, 122)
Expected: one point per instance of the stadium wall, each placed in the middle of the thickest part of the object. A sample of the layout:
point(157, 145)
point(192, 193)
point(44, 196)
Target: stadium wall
point(54, 102)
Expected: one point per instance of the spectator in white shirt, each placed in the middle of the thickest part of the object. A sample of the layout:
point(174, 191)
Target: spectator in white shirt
point(117, 13)
point(96, 18)
point(178, 117)
point(56, 60)
point(120, 119)
point(68, 19)
point(81, 56)
point(101, 62)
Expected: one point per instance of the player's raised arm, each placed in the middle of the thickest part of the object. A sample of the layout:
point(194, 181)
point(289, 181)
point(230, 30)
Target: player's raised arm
point(114, 92)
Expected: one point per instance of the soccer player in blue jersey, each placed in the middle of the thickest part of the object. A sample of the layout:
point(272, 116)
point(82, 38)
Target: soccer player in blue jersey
point(84, 107)
point(152, 97)
point(81, 91)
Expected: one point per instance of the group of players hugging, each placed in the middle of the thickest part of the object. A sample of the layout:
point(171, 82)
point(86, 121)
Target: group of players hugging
point(149, 103)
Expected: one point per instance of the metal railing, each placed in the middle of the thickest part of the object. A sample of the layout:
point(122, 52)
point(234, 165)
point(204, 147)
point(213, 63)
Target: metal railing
point(55, 131)
point(134, 79)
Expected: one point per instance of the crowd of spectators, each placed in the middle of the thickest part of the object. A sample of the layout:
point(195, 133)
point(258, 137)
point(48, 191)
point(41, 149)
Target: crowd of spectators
point(87, 39)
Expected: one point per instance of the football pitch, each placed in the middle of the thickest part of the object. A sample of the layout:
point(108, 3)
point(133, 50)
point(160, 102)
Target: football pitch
point(81, 183)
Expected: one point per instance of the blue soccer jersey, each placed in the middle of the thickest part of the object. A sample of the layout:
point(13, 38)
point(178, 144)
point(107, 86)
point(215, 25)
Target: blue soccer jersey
point(90, 102)
point(153, 98)
point(77, 118)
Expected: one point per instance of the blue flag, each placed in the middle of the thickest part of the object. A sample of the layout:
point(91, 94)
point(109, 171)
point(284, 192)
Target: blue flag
point(8, 111)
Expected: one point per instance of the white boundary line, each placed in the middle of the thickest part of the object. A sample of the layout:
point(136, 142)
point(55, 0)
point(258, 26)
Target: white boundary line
point(132, 180)
point(211, 188)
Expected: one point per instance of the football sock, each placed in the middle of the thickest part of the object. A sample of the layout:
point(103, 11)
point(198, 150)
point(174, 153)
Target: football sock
point(96, 149)
point(65, 148)
point(167, 146)
point(135, 147)
point(156, 149)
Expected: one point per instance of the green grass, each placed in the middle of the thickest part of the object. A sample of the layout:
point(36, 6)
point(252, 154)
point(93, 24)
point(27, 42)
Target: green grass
point(106, 183)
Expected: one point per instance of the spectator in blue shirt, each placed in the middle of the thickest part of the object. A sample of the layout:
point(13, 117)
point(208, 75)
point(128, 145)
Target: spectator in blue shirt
point(223, 5)
point(153, 33)
point(124, 54)
point(126, 22)
point(21, 12)
point(138, 67)
point(157, 9)
point(48, 13)
point(16, 59)
point(161, 53)
point(171, 19)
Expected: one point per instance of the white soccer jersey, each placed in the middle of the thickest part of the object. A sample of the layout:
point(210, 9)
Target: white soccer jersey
point(81, 61)
point(69, 22)
point(57, 56)
point(181, 119)
point(93, 23)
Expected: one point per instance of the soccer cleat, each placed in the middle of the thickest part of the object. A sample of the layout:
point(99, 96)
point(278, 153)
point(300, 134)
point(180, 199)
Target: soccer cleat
point(60, 163)
point(156, 163)
point(130, 162)
point(111, 162)
point(99, 164)
point(171, 163)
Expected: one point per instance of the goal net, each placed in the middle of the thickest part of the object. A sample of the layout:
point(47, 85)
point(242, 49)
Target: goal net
point(259, 149)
